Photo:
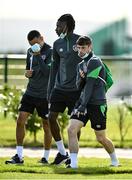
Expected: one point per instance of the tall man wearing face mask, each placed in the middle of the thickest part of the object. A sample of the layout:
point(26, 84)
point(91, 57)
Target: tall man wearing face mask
point(35, 97)
point(62, 91)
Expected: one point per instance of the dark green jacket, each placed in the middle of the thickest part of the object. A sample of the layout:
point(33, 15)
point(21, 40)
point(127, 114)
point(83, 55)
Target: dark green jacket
point(93, 87)
point(64, 64)
point(37, 85)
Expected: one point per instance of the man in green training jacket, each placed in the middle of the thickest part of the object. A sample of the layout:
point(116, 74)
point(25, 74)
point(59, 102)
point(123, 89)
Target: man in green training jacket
point(92, 103)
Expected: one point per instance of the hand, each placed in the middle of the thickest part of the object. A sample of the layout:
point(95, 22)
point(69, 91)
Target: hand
point(81, 110)
point(29, 73)
point(82, 74)
point(36, 53)
point(78, 113)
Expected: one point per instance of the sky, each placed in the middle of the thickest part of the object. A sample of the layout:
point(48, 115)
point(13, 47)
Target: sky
point(95, 10)
point(29, 14)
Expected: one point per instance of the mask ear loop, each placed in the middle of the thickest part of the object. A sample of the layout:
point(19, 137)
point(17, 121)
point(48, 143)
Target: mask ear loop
point(75, 48)
point(43, 42)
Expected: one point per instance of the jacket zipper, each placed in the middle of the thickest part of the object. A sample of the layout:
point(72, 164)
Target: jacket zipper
point(68, 44)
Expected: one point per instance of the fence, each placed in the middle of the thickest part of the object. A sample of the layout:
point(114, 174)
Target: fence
point(12, 68)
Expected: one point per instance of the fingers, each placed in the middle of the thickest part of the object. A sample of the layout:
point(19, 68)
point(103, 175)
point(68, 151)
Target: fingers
point(29, 73)
point(36, 53)
point(79, 113)
point(82, 74)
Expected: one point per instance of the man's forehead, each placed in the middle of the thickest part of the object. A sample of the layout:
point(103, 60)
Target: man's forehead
point(34, 40)
point(82, 46)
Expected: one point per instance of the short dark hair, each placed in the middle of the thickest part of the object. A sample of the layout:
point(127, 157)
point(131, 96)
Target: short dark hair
point(68, 18)
point(32, 34)
point(84, 40)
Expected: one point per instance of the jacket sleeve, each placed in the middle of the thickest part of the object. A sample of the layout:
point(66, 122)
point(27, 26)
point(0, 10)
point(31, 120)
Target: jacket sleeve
point(93, 71)
point(80, 82)
point(53, 71)
point(28, 61)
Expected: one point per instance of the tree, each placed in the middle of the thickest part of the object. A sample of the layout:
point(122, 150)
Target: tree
point(123, 111)
point(33, 125)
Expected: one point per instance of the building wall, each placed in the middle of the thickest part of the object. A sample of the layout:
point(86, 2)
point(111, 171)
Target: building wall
point(111, 39)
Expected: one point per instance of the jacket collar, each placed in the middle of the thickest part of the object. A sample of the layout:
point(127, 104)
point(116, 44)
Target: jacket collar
point(88, 57)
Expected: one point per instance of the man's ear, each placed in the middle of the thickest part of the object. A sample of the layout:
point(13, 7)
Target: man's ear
point(91, 46)
point(42, 38)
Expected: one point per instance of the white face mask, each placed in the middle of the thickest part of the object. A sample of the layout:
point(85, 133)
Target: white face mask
point(83, 57)
point(36, 48)
point(63, 35)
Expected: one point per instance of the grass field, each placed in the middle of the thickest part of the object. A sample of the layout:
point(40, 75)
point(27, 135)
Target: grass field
point(89, 168)
point(7, 133)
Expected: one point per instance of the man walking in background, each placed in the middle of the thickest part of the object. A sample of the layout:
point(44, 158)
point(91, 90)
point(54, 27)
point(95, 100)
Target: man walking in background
point(62, 91)
point(35, 97)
